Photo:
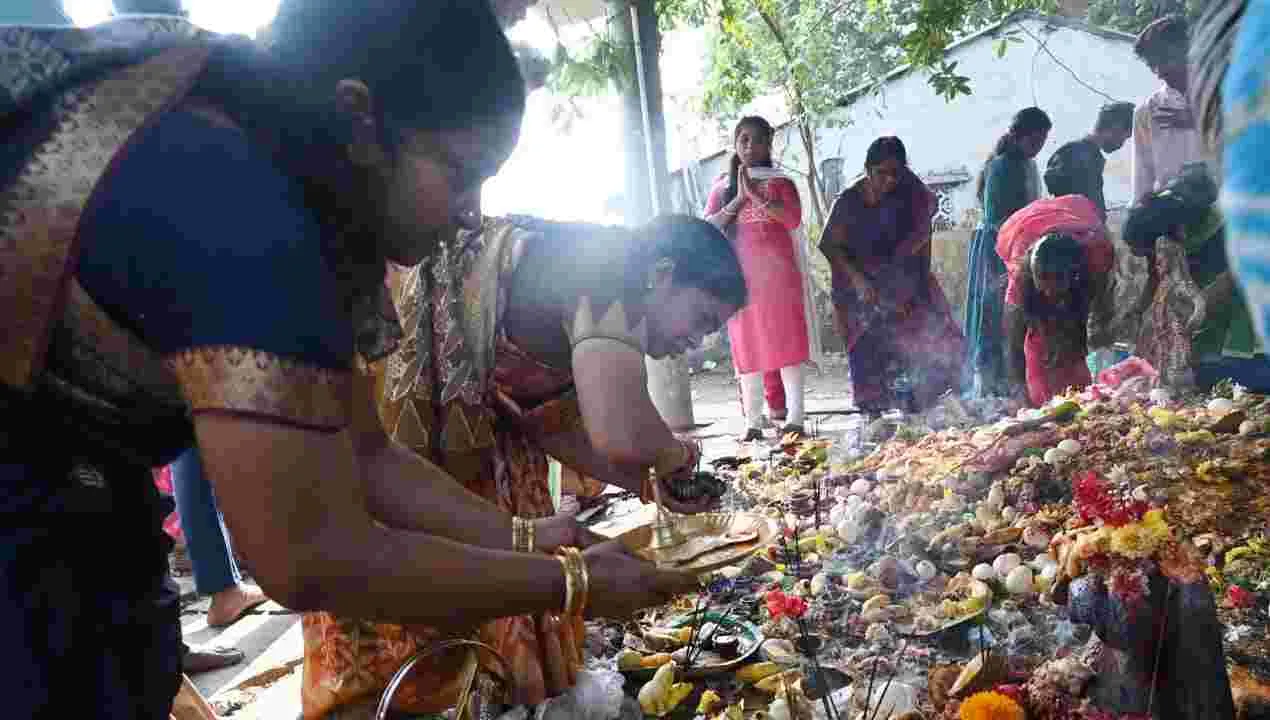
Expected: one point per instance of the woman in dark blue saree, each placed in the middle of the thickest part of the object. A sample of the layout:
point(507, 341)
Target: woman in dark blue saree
point(193, 240)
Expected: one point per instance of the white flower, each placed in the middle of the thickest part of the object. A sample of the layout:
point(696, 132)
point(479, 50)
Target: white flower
point(1235, 633)
point(1119, 475)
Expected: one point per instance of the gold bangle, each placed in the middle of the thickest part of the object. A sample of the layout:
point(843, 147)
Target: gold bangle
point(582, 576)
point(522, 534)
point(570, 589)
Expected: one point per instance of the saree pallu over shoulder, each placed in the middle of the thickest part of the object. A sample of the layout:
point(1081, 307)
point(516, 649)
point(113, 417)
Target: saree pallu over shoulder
point(85, 129)
point(466, 278)
point(446, 390)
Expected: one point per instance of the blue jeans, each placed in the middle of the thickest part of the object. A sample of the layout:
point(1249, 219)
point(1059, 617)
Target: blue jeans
point(205, 536)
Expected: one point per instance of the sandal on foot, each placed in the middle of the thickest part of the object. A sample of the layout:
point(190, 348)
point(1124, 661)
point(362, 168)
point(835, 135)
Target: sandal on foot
point(796, 430)
point(752, 434)
point(205, 658)
point(249, 598)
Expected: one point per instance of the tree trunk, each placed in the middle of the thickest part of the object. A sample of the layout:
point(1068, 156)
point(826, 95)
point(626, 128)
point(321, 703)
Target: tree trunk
point(808, 135)
point(794, 96)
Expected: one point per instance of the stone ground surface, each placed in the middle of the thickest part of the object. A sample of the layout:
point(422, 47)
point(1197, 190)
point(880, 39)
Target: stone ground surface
point(267, 683)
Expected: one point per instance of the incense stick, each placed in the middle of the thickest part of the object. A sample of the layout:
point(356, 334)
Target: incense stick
point(694, 628)
point(894, 671)
point(718, 624)
point(831, 710)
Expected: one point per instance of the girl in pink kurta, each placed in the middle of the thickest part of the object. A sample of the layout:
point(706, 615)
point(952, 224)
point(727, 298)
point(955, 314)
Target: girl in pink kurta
point(758, 207)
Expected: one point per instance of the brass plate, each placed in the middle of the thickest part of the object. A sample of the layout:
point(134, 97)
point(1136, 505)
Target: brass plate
point(760, 530)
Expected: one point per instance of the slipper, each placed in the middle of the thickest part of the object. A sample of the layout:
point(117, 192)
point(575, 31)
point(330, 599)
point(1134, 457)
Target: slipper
point(255, 602)
point(205, 658)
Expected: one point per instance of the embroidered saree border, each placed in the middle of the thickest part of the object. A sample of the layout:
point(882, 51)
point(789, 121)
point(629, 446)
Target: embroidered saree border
point(612, 325)
point(40, 210)
point(252, 382)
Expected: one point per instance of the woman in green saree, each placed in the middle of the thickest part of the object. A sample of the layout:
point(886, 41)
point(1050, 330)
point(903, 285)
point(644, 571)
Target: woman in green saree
point(1008, 182)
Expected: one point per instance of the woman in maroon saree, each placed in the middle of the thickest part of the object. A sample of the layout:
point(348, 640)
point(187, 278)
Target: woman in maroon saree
point(893, 316)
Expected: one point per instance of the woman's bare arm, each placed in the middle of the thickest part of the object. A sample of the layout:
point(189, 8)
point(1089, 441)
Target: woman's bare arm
point(1015, 352)
point(412, 504)
point(575, 450)
point(294, 500)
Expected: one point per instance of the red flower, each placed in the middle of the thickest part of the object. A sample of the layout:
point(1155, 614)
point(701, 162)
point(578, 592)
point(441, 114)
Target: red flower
point(1095, 501)
point(1238, 597)
point(1130, 584)
point(779, 604)
point(795, 606)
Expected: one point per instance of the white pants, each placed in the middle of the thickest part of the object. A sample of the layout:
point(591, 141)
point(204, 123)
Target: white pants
point(752, 396)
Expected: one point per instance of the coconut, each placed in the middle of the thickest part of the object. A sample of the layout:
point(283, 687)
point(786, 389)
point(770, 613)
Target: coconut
point(818, 583)
point(1054, 456)
point(1247, 427)
point(1220, 406)
point(1019, 581)
point(1006, 563)
point(984, 571)
point(926, 569)
point(848, 531)
point(1069, 446)
point(861, 487)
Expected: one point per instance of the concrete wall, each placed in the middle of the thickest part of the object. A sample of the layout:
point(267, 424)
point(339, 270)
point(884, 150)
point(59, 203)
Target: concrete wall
point(948, 142)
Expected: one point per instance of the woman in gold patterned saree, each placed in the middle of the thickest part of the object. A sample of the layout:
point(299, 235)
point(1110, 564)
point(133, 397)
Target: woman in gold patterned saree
point(522, 340)
point(192, 247)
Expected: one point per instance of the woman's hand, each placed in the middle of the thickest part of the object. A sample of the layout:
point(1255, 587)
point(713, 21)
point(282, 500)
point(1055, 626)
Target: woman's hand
point(677, 464)
point(745, 186)
point(622, 583)
point(561, 531)
point(864, 289)
point(688, 507)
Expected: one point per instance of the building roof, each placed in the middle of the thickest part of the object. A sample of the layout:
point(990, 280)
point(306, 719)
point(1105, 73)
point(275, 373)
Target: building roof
point(988, 32)
point(991, 32)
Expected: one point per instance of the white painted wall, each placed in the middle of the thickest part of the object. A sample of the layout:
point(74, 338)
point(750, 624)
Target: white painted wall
point(959, 135)
point(940, 135)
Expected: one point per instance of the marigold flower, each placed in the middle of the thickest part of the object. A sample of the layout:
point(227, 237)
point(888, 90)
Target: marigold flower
point(991, 706)
point(1133, 541)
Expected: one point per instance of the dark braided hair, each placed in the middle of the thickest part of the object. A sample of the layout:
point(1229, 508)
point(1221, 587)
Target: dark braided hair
point(884, 148)
point(1115, 116)
point(763, 127)
point(1025, 122)
point(438, 65)
point(1163, 39)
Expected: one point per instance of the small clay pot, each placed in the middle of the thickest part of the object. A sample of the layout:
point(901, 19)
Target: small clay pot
point(727, 645)
point(809, 644)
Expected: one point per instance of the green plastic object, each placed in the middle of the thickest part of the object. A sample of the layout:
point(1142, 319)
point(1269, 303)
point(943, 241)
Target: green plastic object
point(554, 481)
